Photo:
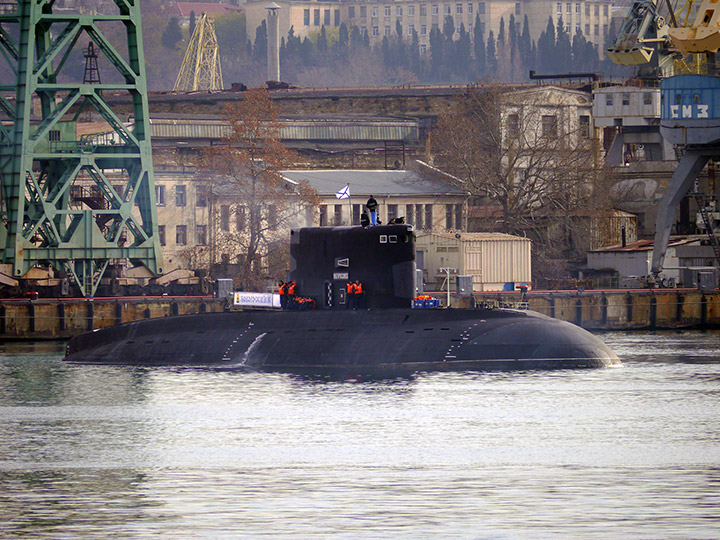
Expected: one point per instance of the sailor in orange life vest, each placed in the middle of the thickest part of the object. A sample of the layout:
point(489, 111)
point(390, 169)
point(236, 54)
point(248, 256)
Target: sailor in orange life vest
point(282, 291)
point(350, 295)
point(359, 295)
point(291, 294)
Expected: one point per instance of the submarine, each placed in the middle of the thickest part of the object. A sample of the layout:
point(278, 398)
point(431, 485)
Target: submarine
point(385, 337)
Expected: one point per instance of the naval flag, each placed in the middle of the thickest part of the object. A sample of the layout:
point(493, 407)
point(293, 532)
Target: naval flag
point(344, 193)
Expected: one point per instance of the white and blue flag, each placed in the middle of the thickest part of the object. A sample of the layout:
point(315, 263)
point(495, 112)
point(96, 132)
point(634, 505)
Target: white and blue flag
point(344, 193)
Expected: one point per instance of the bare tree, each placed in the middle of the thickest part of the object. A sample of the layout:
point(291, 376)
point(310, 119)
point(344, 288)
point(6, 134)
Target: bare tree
point(252, 205)
point(527, 156)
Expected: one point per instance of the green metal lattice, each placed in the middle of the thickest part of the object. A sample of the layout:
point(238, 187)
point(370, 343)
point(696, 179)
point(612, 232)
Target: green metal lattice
point(42, 158)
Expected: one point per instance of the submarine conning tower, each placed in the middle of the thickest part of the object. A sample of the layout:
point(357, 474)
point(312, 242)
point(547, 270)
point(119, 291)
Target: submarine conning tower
point(382, 258)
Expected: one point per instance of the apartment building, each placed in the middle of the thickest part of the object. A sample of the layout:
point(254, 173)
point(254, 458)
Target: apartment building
point(379, 19)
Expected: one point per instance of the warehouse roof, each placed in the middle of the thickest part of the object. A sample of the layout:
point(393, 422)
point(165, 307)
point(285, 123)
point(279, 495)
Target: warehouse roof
point(380, 183)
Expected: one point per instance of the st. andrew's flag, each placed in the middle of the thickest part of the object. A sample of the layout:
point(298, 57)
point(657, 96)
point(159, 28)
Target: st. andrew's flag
point(344, 193)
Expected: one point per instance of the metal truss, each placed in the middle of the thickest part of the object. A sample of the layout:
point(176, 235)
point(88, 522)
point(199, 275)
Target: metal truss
point(200, 69)
point(44, 163)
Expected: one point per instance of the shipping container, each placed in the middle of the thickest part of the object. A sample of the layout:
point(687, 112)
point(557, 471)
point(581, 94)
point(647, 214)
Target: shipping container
point(495, 261)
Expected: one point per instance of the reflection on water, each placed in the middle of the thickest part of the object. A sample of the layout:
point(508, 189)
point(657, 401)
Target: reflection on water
point(95, 451)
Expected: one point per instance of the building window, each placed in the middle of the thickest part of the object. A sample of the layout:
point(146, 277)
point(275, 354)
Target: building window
point(374, 11)
point(410, 214)
point(458, 9)
point(160, 195)
point(387, 31)
point(336, 20)
point(411, 11)
point(481, 8)
point(470, 8)
point(363, 12)
point(419, 216)
point(423, 10)
point(447, 9)
point(201, 235)
point(375, 31)
point(161, 234)
point(577, 9)
point(356, 214)
point(423, 48)
point(647, 98)
point(605, 10)
point(398, 11)
point(392, 212)
point(458, 216)
point(587, 29)
point(585, 126)
point(316, 17)
point(568, 8)
point(272, 217)
point(435, 9)
point(596, 29)
point(559, 8)
point(517, 8)
point(626, 99)
point(449, 215)
point(180, 199)
point(240, 218)
point(326, 17)
point(423, 30)
point(323, 215)
point(387, 11)
point(587, 11)
point(597, 10)
point(337, 215)
point(201, 195)
point(549, 126)
point(181, 235)
point(609, 100)
point(513, 125)
point(411, 29)
point(428, 216)
point(306, 17)
point(224, 217)
point(351, 12)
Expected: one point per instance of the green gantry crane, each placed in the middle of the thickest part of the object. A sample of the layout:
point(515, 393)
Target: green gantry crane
point(44, 164)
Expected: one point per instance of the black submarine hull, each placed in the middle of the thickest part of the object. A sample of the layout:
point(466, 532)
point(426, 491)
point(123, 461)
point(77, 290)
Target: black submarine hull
point(347, 343)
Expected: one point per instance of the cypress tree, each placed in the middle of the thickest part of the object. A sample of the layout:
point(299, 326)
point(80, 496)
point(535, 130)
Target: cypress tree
point(260, 46)
point(322, 45)
point(492, 66)
point(563, 49)
point(479, 45)
point(172, 34)
point(463, 57)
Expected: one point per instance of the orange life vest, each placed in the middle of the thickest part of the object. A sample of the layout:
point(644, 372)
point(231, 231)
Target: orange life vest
point(358, 288)
point(282, 289)
point(350, 287)
point(291, 288)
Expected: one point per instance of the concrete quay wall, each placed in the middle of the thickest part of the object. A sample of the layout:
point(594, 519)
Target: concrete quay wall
point(621, 310)
point(64, 318)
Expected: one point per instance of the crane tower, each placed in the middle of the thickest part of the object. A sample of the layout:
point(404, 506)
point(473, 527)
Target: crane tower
point(45, 167)
point(200, 69)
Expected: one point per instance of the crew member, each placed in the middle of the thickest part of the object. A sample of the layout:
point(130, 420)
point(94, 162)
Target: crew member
point(359, 301)
point(282, 291)
point(350, 295)
point(372, 205)
point(291, 294)
point(364, 219)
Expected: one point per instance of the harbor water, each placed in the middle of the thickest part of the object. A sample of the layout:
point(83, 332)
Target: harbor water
point(119, 452)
